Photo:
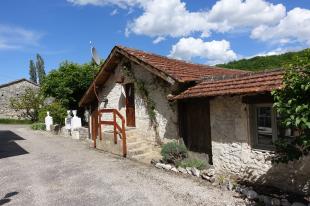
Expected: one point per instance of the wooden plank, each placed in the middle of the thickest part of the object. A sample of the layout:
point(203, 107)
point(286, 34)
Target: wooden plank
point(106, 110)
point(257, 99)
point(107, 122)
point(118, 127)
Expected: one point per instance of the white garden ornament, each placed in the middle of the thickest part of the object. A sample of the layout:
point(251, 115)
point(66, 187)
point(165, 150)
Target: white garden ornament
point(76, 122)
point(48, 122)
point(68, 120)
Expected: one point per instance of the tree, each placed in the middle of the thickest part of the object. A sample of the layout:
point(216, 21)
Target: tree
point(40, 68)
point(293, 104)
point(28, 103)
point(69, 82)
point(266, 62)
point(57, 111)
point(32, 72)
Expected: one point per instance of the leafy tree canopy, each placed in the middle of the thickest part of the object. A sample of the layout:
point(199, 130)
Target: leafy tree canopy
point(293, 104)
point(69, 82)
point(57, 111)
point(266, 62)
point(40, 69)
point(28, 103)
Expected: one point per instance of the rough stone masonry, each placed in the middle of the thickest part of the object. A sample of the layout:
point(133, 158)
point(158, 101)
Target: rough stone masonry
point(11, 90)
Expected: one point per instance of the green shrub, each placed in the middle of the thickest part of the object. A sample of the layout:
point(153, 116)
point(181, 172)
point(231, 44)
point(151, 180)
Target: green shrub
point(15, 121)
point(38, 126)
point(57, 111)
point(190, 162)
point(173, 152)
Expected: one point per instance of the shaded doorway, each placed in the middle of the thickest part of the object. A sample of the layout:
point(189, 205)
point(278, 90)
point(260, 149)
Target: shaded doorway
point(130, 105)
point(194, 125)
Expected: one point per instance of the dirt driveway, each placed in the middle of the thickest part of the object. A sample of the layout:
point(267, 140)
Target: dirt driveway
point(41, 169)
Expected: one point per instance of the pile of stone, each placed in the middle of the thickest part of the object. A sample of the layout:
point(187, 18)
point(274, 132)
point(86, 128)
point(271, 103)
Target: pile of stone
point(252, 195)
point(208, 174)
point(245, 192)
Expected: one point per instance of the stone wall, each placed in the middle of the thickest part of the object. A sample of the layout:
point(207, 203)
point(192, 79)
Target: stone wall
point(166, 113)
point(232, 151)
point(12, 91)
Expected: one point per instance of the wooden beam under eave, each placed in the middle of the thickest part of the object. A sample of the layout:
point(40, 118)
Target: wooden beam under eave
point(150, 68)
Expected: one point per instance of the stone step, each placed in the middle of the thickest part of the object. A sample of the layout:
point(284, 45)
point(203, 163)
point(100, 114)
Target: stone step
point(138, 151)
point(135, 144)
point(147, 157)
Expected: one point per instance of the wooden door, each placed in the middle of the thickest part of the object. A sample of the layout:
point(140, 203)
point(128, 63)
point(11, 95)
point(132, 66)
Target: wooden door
point(194, 123)
point(130, 105)
point(94, 122)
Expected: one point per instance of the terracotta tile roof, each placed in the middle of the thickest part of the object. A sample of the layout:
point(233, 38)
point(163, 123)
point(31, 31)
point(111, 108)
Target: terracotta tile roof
point(258, 82)
point(179, 70)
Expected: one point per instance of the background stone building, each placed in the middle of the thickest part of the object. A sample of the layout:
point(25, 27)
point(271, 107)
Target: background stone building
point(11, 90)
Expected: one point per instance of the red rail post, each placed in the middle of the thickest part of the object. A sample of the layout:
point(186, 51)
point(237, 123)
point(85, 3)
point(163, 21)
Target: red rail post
point(114, 127)
point(124, 139)
point(99, 125)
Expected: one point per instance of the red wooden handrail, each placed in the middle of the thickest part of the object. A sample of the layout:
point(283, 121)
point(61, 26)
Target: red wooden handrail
point(116, 127)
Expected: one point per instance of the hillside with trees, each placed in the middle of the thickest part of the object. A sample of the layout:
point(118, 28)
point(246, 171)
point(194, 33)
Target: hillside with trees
point(266, 62)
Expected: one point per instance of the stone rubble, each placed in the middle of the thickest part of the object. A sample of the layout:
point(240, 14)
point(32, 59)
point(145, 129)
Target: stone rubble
point(247, 192)
point(298, 204)
point(189, 170)
point(174, 169)
point(195, 172)
point(182, 170)
point(275, 202)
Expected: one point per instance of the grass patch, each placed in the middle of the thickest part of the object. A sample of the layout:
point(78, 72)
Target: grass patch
point(173, 152)
point(38, 126)
point(191, 162)
point(15, 121)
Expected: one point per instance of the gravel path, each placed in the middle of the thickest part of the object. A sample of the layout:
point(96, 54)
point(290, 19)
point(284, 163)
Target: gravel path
point(37, 168)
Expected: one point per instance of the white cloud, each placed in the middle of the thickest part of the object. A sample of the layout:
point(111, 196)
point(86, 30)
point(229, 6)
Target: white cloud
point(230, 14)
point(12, 37)
point(168, 18)
point(293, 28)
point(171, 18)
point(161, 18)
point(158, 40)
point(214, 51)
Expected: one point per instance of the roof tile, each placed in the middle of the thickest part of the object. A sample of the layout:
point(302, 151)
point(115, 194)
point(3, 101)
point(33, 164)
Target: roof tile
point(179, 70)
point(241, 84)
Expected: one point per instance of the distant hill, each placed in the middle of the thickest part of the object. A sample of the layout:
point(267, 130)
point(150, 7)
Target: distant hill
point(265, 62)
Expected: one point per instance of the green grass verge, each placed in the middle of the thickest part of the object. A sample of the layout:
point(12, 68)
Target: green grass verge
point(15, 121)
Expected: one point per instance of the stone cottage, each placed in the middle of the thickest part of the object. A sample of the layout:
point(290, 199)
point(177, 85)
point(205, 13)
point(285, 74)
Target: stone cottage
point(140, 86)
point(244, 125)
point(226, 114)
point(11, 90)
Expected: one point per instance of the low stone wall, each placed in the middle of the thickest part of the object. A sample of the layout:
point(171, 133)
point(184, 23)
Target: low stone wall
point(233, 154)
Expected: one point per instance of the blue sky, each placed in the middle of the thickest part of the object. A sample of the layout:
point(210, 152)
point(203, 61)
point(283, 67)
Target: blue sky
point(207, 32)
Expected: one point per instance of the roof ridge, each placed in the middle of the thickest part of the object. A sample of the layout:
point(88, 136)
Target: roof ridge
point(243, 75)
point(178, 60)
point(17, 81)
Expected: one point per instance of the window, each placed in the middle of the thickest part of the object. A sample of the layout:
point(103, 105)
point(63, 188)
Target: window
point(267, 127)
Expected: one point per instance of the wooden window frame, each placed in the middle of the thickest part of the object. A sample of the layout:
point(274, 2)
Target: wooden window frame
point(254, 129)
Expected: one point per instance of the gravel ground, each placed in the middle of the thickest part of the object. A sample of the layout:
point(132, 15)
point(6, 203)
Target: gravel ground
point(37, 168)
